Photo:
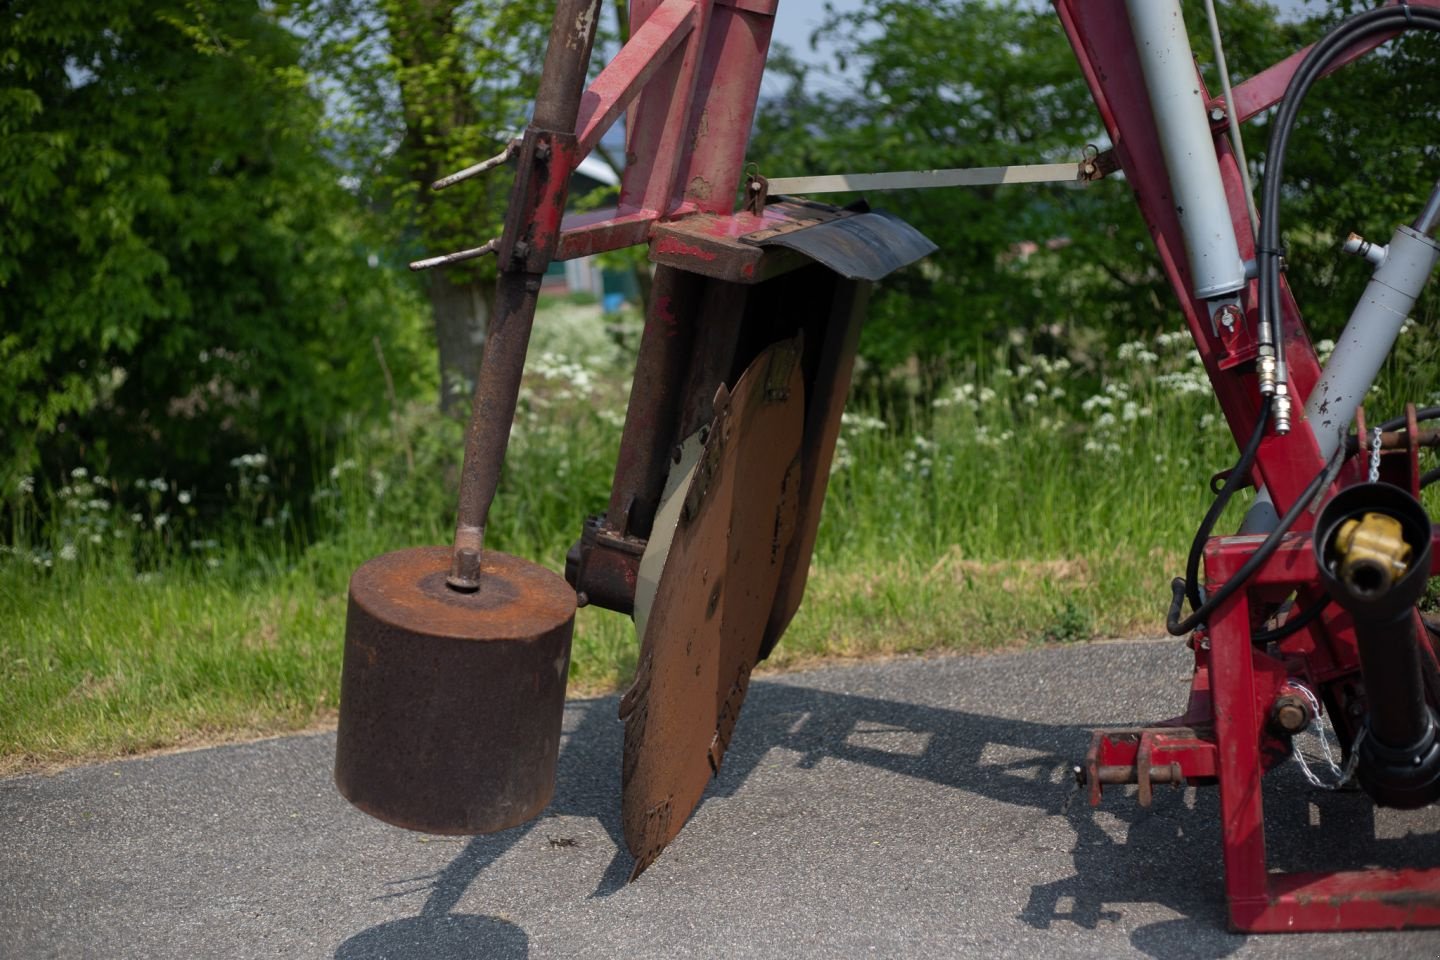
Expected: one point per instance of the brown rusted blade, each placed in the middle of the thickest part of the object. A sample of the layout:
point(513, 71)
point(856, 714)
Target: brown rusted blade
point(705, 626)
point(451, 702)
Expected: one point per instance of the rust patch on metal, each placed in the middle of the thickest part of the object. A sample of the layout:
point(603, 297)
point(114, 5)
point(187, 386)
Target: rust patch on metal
point(705, 628)
point(675, 247)
point(451, 702)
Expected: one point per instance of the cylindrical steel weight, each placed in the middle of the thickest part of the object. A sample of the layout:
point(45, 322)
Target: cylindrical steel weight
point(451, 702)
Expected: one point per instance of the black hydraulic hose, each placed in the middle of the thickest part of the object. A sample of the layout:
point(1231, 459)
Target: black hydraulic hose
point(1424, 413)
point(1330, 47)
point(1178, 627)
point(1237, 477)
point(1294, 625)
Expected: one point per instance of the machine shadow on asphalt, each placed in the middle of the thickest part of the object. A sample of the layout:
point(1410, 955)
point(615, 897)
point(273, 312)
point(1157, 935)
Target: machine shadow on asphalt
point(1168, 854)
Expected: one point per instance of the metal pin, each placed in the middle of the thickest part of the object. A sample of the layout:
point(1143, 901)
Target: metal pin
point(479, 168)
point(459, 256)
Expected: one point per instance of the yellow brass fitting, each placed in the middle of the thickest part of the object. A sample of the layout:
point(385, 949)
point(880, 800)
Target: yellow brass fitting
point(1373, 553)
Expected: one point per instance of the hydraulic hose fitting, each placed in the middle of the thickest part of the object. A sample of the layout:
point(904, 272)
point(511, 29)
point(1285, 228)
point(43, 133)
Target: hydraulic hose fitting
point(1372, 548)
point(1358, 246)
point(1267, 369)
point(1282, 409)
point(1373, 553)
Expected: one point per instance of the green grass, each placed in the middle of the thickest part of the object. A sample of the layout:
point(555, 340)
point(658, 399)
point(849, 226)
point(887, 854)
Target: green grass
point(1026, 502)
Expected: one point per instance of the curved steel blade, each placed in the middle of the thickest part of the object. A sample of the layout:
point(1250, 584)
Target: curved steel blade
point(704, 628)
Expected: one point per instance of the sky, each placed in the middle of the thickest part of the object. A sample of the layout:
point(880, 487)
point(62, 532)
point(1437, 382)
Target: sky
point(795, 19)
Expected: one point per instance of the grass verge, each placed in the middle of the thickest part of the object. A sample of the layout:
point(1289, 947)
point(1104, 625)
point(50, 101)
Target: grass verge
point(1030, 500)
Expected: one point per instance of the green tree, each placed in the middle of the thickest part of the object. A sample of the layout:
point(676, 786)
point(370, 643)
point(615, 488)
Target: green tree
point(417, 89)
point(1363, 157)
point(182, 277)
point(934, 83)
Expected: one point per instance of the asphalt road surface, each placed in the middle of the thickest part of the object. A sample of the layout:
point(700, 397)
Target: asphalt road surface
point(914, 808)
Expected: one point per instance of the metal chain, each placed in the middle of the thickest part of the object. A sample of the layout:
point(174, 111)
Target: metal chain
point(1342, 775)
point(1375, 457)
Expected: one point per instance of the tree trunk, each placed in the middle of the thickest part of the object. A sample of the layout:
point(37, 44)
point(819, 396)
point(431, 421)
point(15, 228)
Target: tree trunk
point(462, 315)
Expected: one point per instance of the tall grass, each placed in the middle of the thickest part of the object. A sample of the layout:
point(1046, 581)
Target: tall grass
point(1029, 498)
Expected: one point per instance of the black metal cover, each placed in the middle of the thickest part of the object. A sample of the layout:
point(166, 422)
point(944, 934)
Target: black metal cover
point(864, 246)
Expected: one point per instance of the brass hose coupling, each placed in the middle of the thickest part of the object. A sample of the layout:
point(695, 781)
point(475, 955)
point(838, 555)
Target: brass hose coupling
point(1373, 553)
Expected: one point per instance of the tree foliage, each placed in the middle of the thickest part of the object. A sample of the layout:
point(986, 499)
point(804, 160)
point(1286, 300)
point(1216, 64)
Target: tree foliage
point(182, 277)
point(1363, 157)
point(418, 89)
point(921, 84)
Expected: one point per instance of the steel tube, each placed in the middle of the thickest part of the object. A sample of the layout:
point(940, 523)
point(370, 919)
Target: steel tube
point(493, 410)
point(1196, 188)
point(1390, 663)
point(651, 415)
point(567, 58)
point(572, 35)
point(1369, 336)
point(1429, 220)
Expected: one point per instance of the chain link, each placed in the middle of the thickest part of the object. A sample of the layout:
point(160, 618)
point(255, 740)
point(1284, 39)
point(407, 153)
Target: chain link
point(1342, 776)
point(1375, 456)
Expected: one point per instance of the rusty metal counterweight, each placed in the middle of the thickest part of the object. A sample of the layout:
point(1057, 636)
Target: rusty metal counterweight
point(451, 701)
point(453, 690)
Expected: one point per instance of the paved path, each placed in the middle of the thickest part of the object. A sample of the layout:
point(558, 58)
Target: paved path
point(918, 808)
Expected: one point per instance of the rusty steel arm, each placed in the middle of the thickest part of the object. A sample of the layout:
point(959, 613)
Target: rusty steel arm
point(547, 156)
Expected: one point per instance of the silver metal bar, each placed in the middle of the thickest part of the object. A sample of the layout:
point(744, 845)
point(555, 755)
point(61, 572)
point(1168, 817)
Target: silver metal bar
point(1197, 190)
point(1368, 338)
point(926, 179)
point(489, 246)
point(503, 156)
point(1429, 220)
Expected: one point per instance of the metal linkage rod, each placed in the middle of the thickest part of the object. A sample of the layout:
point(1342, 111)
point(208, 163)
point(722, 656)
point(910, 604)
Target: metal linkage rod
point(459, 256)
point(546, 160)
point(475, 170)
point(923, 179)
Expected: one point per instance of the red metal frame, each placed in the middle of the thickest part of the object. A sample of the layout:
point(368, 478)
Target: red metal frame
point(1226, 734)
point(688, 81)
point(1262, 901)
